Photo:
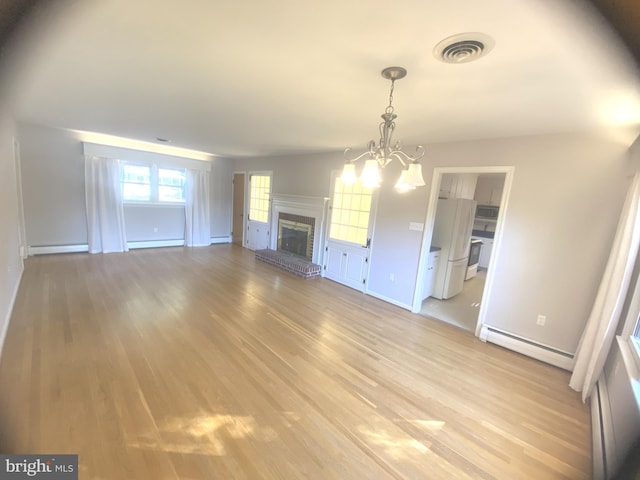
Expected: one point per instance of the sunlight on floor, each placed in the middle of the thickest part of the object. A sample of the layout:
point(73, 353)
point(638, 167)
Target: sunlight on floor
point(400, 448)
point(202, 434)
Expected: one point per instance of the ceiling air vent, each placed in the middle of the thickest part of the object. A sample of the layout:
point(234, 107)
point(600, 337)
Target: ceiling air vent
point(463, 48)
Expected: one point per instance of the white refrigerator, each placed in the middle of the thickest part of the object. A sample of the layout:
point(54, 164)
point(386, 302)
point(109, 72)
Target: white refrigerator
point(452, 233)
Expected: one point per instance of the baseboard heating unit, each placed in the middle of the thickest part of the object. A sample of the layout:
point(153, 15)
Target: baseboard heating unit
point(532, 349)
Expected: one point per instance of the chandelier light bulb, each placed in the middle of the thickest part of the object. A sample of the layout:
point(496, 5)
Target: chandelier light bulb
point(370, 176)
point(349, 176)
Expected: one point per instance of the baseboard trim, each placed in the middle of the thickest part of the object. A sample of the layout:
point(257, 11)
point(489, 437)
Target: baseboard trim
point(46, 250)
point(155, 244)
point(541, 352)
point(406, 306)
point(51, 249)
point(12, 302)
point(215, 240)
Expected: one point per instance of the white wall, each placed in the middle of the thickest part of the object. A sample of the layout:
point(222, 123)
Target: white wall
point(10, 261)
point(297, 174)
point(52, 186)
point(54, 196)
point(565, 201)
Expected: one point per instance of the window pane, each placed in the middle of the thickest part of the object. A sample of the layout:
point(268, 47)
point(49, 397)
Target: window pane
point(170, 194)
point(136, 192)
point(136, 174)
point(259, 195)
point(136, 183)
point(350, 213)
point(171, 177)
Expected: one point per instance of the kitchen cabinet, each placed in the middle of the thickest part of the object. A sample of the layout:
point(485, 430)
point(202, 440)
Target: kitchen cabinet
point(458, 185)
point(432, 268)
point(489, 190)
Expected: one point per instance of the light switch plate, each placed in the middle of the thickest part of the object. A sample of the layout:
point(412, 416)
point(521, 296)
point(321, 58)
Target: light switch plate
point(418, 227)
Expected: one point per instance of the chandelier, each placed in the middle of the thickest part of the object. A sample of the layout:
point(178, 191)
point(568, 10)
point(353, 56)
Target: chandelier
point(381, 154)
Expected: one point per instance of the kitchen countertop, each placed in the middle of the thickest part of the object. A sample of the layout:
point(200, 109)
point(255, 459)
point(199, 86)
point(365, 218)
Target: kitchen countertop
point(482, 233)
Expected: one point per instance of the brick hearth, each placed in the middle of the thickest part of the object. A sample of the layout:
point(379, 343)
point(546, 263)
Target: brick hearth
point(290, 263)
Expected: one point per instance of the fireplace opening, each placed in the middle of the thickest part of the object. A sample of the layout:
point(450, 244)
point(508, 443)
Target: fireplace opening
point(294, 241)
point(295, 235)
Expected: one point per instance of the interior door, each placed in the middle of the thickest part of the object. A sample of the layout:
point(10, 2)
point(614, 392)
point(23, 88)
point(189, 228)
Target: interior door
point(238, 209)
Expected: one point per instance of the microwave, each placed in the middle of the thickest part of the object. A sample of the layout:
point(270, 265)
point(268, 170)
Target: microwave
point(488, 212)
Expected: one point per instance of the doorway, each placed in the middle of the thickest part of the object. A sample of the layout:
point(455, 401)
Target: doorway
point(237, 227)
point(466, 308)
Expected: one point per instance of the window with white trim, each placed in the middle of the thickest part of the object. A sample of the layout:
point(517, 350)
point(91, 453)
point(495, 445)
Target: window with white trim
point(152, 184)
point(350, 210)
point(259, 195)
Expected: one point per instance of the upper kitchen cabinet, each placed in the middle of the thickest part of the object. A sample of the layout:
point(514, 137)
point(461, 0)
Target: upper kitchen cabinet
point(458, 185)
point(489, 189)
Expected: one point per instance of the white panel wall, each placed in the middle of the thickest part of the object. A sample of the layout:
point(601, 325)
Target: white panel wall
point(10, 261)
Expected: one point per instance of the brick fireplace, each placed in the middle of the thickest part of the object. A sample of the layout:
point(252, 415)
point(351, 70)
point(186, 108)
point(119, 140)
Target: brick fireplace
point(295, 234)
point(299, 216)
point(299, 224)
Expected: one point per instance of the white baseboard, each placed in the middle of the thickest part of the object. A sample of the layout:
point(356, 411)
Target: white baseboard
point(215, 240)
point(406, 306)
point(155, 244)
point(541, 352)
point(46, 250)
point(12, 301)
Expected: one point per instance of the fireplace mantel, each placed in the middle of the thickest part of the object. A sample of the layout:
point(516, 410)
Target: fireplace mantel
point(316, 207)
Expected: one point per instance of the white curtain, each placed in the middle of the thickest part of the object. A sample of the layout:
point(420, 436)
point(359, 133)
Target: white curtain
point(197, 209)
point(602, 324)
point(105, 213)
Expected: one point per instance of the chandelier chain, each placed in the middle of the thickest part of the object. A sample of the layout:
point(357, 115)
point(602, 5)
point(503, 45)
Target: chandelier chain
point(389, 109)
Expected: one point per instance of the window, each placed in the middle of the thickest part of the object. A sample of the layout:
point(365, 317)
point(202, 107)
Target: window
point(350, 212)
point(630, 330)
point(260, 190)
point(151, 184)
point(171, 185)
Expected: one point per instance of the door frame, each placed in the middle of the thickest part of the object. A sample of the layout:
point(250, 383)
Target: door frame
point(22, 231)
point(497, 239)
point(244, 203)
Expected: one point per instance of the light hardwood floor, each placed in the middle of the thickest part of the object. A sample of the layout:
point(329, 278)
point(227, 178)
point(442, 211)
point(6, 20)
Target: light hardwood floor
point(206, 364)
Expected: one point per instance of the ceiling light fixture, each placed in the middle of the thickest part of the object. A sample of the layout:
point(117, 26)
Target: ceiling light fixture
point(381, 154)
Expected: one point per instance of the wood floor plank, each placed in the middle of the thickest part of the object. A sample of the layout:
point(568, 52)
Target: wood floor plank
point(203, 363)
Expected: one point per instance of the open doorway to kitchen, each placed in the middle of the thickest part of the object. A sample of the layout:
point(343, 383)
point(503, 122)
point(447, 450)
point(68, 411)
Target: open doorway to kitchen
point(461, 241)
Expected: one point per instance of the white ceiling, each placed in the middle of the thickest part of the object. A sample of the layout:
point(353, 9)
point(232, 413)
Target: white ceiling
point(246, 78)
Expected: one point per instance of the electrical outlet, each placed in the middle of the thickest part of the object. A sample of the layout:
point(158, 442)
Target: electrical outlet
point(155, 229)
point(392, 277)
point(542, 319)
